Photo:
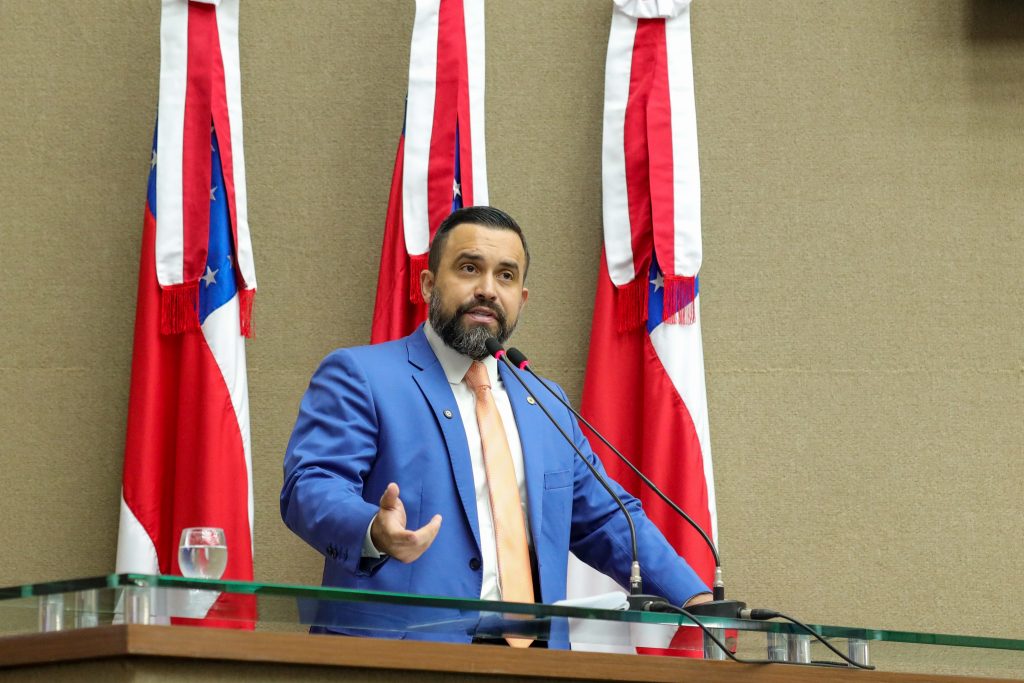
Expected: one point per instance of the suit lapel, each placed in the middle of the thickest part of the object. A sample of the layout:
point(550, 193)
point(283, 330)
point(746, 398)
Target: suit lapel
point(434, 385)
point(529, 419)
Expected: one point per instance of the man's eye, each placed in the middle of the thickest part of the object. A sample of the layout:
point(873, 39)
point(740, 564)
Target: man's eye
point(507, 275)
point(468, 267)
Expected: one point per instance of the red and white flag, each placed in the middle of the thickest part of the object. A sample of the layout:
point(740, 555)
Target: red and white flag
point(187, 454)
point(441, 163)
point(644, 386)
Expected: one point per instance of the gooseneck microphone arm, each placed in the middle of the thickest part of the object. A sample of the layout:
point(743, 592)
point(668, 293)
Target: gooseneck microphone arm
point(516, 356)
point(638, 600)
point(720, 606)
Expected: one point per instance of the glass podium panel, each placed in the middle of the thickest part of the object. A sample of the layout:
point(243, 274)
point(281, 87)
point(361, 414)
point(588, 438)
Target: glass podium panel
point(144, 599)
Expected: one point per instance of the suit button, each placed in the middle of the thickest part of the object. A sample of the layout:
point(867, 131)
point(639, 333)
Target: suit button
point(475, 564)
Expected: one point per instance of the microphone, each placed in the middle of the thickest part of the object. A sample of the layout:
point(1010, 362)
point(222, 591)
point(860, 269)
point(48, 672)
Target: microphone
point(637, 599)
point(719, 606)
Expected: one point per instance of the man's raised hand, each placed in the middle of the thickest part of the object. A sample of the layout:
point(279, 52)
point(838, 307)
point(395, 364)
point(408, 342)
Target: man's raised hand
point(389, 534)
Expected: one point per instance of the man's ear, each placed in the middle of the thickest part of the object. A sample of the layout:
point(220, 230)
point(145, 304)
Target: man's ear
point(526, 294)
point(426, 284)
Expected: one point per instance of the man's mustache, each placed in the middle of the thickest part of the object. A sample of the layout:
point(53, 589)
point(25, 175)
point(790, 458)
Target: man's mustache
point(493, 307)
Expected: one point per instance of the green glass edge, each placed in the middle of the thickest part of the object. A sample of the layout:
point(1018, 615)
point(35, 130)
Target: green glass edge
point(329, 593)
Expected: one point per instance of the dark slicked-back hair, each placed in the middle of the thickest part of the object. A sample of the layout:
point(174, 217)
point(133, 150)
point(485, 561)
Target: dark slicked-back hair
point(487, 216)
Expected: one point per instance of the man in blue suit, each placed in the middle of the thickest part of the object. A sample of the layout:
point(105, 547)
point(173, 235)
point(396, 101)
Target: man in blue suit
point(385, 475)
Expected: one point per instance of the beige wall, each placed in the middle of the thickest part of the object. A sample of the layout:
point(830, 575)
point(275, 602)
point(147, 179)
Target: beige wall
point(861, 168)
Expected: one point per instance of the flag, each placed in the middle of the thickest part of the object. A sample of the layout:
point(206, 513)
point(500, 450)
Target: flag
point(441, 163)
point(187, 453)
point(644, 385)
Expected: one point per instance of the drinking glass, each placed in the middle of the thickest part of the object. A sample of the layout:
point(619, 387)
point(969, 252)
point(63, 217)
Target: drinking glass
point(202, 553)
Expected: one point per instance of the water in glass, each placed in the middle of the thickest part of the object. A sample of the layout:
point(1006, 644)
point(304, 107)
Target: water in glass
point(202, 553)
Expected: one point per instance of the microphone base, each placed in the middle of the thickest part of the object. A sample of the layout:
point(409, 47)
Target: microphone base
point(727, 609)
point(641, 602)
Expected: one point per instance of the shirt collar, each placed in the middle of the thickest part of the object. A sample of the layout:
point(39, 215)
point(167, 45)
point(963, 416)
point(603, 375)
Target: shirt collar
point(455, 364)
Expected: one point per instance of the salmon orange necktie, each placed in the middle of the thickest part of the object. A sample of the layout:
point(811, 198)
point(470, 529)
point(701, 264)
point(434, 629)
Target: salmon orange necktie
point(514, 574)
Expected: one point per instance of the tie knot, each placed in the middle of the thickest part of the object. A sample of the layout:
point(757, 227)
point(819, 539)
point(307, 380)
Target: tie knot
point(476, 376)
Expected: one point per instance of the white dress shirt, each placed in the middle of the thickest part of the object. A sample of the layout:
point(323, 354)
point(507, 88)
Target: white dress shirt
point(455, 366)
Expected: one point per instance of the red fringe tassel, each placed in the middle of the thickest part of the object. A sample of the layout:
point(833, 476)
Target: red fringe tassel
point(245, 301)
point(179, 308)
point(417, 264)
point(679, 300)
point(631, 304)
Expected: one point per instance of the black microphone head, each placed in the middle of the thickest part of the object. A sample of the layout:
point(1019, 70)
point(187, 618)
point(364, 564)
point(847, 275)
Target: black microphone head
point(493, 347)
point(517, 357)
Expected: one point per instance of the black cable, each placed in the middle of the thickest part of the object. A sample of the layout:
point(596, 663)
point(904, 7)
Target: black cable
point(669, 607)
point(763, 615)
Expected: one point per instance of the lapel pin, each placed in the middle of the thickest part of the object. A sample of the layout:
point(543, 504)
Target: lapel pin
point(529, 399)
point(448, 414)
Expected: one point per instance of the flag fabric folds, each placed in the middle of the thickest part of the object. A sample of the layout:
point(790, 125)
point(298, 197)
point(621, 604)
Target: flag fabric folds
point(441, 163)
point(644, 385)
point(650, 175)
point(199, 87)
point(187, 454)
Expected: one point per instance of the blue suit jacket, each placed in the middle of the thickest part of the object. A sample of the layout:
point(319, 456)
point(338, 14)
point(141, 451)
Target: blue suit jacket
point(383, 413)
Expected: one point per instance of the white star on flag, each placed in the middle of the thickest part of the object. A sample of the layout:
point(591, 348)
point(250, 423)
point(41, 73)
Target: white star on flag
point(658, 281)
point(455, 188)
point(213, 193)
point(152, 160)
point(210, 278)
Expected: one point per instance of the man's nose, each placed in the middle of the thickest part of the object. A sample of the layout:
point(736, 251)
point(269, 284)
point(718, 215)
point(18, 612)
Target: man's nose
point(485, 287)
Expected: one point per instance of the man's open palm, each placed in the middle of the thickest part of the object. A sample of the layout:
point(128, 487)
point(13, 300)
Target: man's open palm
point(389, 534)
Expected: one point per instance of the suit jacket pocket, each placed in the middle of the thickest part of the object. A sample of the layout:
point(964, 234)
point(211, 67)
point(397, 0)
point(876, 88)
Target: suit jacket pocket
point(557, 480)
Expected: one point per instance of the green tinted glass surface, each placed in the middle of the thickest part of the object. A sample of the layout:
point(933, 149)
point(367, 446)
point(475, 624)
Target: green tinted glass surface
point(278, 607)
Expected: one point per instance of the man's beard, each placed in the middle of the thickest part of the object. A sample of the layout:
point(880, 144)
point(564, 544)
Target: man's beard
point(468, 340)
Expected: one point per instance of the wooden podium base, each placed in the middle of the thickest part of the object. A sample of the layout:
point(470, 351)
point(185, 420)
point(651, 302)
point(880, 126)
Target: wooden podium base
point(169, 653)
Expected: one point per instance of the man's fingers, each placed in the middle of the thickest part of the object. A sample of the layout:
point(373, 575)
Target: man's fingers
point(421, 538)
point(411, 544)
point(389, 499)
point(389, 534)
point(426, 534)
